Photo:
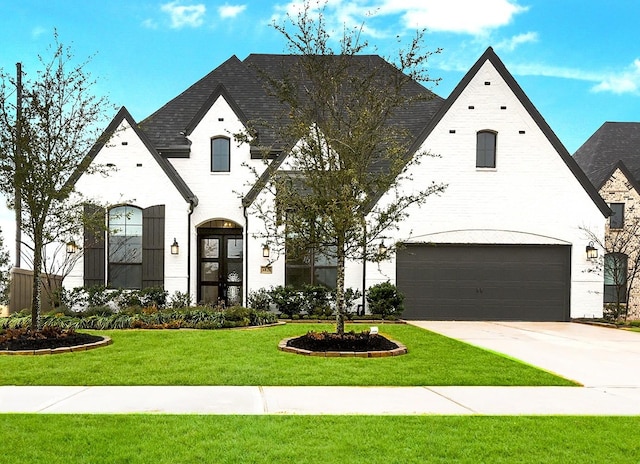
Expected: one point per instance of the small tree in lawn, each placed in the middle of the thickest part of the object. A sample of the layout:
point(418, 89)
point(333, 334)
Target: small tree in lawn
point(348, 148)
point(42, 144)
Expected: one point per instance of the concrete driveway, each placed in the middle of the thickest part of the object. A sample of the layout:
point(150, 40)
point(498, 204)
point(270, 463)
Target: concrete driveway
point(591, 355)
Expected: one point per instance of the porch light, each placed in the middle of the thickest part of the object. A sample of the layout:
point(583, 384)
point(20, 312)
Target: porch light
point(265, 251)
point(72, 247)
point(382, 249)
point(175, 248)
point(592, 251)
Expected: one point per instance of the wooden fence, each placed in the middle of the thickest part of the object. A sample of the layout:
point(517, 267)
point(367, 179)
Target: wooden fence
point(21, 289)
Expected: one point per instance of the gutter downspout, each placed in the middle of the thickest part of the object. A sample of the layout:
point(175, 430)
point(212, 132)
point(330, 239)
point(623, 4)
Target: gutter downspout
point(191, 208)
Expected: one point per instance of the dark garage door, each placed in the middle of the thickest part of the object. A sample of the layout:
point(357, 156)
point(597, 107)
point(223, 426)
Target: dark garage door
point(485, 282)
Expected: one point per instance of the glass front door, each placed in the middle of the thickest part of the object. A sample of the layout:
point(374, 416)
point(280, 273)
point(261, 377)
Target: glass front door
point(220, 254)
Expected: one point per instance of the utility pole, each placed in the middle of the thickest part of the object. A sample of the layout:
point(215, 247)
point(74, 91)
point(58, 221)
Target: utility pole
point(18, 166)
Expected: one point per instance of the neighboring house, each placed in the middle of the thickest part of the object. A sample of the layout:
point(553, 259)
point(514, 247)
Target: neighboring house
point(611, 160)
point(504, 241)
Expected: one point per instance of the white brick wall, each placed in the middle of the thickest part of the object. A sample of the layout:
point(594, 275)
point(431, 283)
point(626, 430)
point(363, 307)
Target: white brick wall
point(531, 190)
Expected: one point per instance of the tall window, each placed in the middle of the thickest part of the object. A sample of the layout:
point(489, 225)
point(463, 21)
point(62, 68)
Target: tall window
point(616, 220)
point(125, 247)
point(220, 154)
point(309, 263)
point(615, 278)
point(486, 149)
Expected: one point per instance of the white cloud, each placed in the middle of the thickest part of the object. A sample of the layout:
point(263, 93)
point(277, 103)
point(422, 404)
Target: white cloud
point(149, 24)
point(459, 16)
point(512, 43)
point(184, 15)
point(38, 31)
point(627, 81)
point(230, 11)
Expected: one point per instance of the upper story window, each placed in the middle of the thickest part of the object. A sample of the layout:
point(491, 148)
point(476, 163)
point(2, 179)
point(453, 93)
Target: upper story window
point(486, 149)
point(220, 154)
point(616, 220)
point(125, 247)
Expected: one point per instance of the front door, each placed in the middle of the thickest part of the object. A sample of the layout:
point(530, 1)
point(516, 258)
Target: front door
point(220, 253)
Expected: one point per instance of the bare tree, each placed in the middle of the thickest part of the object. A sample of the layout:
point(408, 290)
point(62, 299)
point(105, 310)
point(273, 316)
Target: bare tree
point(40, 150)
point(347, 146)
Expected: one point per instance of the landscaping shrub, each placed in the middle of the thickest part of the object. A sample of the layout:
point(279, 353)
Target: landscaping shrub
point(385, 300)
point(287, 300)
point(316, 300)
point(260, 300)
point(180, 300)
point(199, 317)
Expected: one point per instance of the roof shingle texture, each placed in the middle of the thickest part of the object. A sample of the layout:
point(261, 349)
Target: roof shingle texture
point(611, 143)
point(245, 83)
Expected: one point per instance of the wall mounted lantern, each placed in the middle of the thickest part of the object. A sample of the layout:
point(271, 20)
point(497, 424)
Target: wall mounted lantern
point(175, 248)
point(265, 251)
point(72, 247)
point(592, 251)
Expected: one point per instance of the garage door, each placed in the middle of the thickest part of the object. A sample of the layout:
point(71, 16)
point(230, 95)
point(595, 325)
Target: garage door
point(485, 282)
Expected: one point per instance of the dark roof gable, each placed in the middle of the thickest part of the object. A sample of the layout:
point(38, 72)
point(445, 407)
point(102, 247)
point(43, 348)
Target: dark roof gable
point(611, 143)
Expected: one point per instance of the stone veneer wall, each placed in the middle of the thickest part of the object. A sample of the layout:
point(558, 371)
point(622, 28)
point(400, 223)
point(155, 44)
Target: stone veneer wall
point(619, 190)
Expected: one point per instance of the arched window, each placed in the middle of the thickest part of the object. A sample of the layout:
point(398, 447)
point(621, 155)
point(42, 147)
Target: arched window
point(615, 278)
point(125, 247)
point(486, 149)
point(220, 154)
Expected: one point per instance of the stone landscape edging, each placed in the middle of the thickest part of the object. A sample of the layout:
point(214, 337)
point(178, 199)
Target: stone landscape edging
point(63, 349)
point(402, 349)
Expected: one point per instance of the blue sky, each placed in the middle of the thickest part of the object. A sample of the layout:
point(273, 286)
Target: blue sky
point(577, 60)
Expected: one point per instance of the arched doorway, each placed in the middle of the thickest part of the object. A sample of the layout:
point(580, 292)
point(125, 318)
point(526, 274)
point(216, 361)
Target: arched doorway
point(220, 262)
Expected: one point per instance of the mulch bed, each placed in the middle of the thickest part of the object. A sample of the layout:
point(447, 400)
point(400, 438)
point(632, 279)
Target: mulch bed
point(358, 342)
point(22, 339)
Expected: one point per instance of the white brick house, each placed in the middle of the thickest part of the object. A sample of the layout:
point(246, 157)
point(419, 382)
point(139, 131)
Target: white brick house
point(504, 241)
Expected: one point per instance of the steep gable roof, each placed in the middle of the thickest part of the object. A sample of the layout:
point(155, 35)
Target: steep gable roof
point(490, 56)
point(633, 182)
point(169, 170)
point(611, 143)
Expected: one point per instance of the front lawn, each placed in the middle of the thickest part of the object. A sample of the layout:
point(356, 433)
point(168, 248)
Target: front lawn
point(69, 439)
point(251, 357)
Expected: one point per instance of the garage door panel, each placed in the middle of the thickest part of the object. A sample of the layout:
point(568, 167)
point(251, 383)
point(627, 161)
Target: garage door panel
point(485, 282)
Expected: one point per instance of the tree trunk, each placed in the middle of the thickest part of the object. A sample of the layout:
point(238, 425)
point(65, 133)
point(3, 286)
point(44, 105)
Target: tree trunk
point(36, 300)
point(340, 306)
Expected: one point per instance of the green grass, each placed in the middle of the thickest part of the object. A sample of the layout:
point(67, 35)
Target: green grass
point(251, 357)
point(155, 439)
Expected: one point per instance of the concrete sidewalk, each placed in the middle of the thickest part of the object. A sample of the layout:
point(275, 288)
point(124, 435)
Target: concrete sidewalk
point(322, 400)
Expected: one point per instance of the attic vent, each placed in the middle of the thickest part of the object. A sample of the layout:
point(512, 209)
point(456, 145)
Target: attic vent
point(503, 107)
point(487, 83)
point(138, 165)
point(471, 107)
point(220, 119)
point(111, 165)
point(521, 132)
point(452, 131)
point(125, 143)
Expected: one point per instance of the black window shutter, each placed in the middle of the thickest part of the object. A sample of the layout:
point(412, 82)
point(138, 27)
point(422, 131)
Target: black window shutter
point(94, 253)
point(153, 246)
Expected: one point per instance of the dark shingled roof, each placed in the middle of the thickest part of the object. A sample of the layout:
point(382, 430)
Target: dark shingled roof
point(242, 83)
point(613, 142)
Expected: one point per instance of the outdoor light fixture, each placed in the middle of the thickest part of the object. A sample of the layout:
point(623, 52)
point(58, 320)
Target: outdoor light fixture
point(265, 251)
point(175, 248)
point(382, 249)
point(592, 251)
point(72, 247)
